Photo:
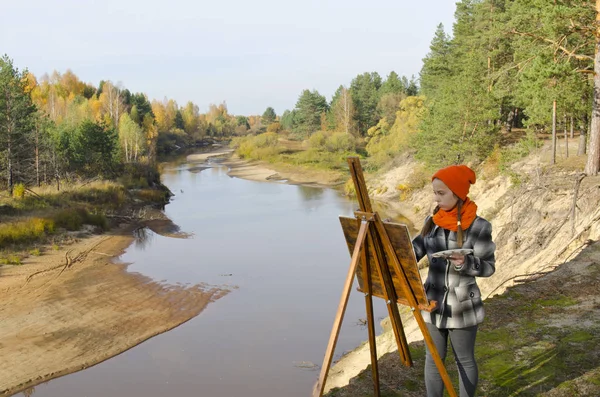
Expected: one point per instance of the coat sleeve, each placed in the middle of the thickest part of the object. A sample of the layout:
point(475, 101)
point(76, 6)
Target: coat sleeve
point(419, 245)
point(483, 262)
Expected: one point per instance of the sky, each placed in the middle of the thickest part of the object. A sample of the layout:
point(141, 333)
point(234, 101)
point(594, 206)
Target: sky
point(249, 54)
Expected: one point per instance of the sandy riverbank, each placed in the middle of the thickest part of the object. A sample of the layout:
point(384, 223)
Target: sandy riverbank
point(265, 172)
point(71, 308)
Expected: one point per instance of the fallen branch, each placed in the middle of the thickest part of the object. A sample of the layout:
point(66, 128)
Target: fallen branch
point(34, 193)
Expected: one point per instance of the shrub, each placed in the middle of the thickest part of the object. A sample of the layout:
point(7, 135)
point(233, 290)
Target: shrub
point(416, 180)
point(97, 220)
point(349, 189)
point(19, 191)
point(70, 219)
point(260, 147)
point(25, 231)
point(340, 142)
point(274, 127)
point(73, 218)
point(386, 142)
point(318, 140)
point(11, 259)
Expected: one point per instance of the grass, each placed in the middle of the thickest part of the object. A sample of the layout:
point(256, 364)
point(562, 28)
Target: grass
point(32, 215)
point(73, 218)
point(25, 231)
point(11, 259)
point(322, 151)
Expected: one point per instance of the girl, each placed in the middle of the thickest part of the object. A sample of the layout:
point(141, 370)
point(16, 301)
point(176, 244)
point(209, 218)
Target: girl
point(451, 282)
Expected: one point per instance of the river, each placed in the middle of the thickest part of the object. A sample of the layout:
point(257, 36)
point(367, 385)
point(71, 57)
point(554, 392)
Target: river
point(281, 250)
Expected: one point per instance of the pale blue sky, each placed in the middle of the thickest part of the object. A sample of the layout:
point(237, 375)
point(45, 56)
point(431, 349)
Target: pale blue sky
point(251, 54)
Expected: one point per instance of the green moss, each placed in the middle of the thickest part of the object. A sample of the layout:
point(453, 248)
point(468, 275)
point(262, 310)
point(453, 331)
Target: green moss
point(390, 393)
point(595, 378)
point(411, 385)
point(499, 336)
point(559, 301)
point(577, 337)
point(500, 364)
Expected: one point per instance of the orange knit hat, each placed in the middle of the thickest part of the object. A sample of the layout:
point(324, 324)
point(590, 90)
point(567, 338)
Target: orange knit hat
point(458, 178)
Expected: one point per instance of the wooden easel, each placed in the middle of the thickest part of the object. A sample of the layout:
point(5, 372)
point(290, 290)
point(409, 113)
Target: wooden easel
point(385, 265)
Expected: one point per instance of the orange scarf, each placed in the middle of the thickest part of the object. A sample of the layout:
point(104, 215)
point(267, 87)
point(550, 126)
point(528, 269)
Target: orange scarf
point(449, 219)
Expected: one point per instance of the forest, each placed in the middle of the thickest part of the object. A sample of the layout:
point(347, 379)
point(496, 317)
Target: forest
point(508, 64)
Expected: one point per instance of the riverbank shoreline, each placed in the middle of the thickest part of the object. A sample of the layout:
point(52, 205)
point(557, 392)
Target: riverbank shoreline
point(265, 172)
point(76, 307)
point(70, 303)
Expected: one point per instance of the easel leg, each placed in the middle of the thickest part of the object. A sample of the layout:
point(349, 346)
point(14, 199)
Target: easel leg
point(390, 296)
point(434, 353)
point(416, 312)
point(339, 317)
point(370, 320)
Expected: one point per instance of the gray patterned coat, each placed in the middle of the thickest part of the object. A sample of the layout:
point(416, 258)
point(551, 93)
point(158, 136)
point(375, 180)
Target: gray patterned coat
point(457, 293)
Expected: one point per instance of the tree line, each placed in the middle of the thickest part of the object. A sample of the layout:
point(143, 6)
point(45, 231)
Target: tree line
point(507, 64)
point(352, 109)
point(511, 63)
point(57, 127)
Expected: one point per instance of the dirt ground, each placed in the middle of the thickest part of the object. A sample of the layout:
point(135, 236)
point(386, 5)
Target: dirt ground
point(71, 308)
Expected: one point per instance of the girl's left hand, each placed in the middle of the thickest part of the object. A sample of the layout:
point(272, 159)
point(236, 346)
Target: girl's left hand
point(457, 259)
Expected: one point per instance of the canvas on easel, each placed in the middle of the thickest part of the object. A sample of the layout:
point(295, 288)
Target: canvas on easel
point(384, 262)
point(400, 239)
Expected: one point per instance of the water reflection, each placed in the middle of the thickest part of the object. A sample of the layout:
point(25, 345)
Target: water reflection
point(143, 237)
point(308, 193)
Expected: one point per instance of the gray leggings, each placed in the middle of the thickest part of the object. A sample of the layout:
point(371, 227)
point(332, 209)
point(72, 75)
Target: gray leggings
point(463, 345)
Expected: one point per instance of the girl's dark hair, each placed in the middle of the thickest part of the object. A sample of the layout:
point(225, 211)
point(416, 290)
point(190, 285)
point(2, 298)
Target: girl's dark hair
point(428, 227)
point(459, 230)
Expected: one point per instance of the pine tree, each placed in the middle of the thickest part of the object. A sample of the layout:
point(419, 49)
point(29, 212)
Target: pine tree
point(307, 116)
point(17, 123)
point(269, 116)
point(436, 64)
point(365, 94)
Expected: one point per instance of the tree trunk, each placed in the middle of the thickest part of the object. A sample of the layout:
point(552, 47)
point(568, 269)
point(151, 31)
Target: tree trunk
point(510, 117)
point(554, 131)
point(37, 155)
point(593, 161)
point(566, 137)
point(583, 135)
point(9, 132)
point(9, 171)
point(572, 128)
point(56, 172)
